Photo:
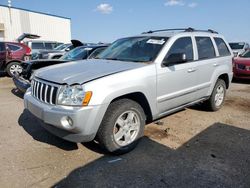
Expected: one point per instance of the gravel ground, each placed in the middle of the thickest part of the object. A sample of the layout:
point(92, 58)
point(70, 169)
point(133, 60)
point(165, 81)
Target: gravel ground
point(191, 148)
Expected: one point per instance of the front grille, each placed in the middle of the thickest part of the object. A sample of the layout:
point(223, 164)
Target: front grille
point(44, 92)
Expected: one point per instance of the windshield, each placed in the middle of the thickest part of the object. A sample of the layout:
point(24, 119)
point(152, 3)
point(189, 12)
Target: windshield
point(61, 47)
point(246, 54)
point(237, 46)
point(76, 54)
point(137, 49)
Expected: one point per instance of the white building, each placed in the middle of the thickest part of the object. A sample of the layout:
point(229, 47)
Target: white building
point(16, 21)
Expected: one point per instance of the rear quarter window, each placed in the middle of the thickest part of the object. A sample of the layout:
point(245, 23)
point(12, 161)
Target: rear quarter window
point(13, 47)
point(205, 48)
point(222, 47)
point(2, 47)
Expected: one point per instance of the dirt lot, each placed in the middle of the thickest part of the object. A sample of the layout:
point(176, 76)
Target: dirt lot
point(192, 148)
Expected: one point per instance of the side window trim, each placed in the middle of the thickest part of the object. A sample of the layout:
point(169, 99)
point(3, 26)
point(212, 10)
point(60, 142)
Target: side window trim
point(217, 53)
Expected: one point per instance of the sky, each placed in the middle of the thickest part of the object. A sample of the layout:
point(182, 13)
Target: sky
point(108, 20)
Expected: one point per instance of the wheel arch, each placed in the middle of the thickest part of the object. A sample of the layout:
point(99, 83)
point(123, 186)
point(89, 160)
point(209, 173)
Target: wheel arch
point(225, 78)
point(141, 99)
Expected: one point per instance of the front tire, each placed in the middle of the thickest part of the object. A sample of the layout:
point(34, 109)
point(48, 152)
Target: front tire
point(217, 99)
point(14, 68)
point(122, 126)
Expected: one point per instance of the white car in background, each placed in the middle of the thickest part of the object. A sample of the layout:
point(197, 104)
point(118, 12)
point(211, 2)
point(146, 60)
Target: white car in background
point(238, 48)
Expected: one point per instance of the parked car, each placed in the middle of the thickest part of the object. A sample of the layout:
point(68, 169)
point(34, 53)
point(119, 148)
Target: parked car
point(239, 47)
point(241, 66)
point(135, 80)
point(11, 56)
point(36, 45)
point(22, 81)
point(57, 52)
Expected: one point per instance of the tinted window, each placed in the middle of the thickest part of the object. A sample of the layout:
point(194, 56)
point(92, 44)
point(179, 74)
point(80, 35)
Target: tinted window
point(37, 45)
point(13, 47)
point(237, 45)
point(183, 45)
point(48, 46)
point(2, 47)
point(222, 47)
point(205, 47)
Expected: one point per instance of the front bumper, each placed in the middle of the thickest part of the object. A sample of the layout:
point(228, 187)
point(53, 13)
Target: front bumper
point(21, 83)
point(242, 74)
point(86, 120)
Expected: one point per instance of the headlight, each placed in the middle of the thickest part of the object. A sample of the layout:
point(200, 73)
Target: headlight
point(73, 96)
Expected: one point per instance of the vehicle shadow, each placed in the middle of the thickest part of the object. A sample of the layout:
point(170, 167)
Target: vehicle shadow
point(31, 125)
point(2, 74)
point(17, 93)
point(241, 81)
point(217, 157)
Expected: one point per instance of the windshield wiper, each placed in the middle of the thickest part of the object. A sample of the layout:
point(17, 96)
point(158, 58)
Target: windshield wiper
point(109, 58)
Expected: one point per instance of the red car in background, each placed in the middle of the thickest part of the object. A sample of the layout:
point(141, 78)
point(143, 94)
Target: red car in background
point(241, 66)
point(11, 55)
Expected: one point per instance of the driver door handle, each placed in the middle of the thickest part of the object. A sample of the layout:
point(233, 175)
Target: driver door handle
point(190, 70)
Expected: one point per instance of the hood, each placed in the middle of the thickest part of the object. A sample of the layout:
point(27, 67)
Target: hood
point(82, 71)
point(240, 60)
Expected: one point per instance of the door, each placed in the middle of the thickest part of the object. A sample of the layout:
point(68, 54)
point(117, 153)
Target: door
point(207, 64)
point(176, 82)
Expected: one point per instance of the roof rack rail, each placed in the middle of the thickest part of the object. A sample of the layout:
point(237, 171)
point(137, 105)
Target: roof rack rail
point(160, 30)
point(189, 29)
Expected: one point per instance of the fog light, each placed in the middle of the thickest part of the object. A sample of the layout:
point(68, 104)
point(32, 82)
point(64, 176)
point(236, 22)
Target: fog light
point(67, 122)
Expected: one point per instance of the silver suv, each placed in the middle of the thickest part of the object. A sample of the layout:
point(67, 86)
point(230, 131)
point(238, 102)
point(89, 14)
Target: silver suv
point(134, 81)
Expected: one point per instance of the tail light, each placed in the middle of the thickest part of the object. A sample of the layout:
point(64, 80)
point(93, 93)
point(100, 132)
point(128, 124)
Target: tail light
point(28, 51)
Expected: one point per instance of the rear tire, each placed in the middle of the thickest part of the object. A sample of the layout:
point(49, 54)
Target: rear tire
point(122, 126)
point(14, 68)
point(217, 99)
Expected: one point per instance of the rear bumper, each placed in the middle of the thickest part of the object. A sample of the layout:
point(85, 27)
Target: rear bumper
point(21, 83)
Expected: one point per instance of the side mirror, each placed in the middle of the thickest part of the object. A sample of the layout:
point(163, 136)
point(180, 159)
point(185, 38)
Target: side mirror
point(175, 58)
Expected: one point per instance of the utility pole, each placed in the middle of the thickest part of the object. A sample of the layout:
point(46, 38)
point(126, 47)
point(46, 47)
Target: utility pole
point(9, 5)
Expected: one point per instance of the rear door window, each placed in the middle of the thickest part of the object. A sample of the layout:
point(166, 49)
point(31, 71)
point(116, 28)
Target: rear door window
point(37, 45)
point(222, 47)
point(205, 48)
